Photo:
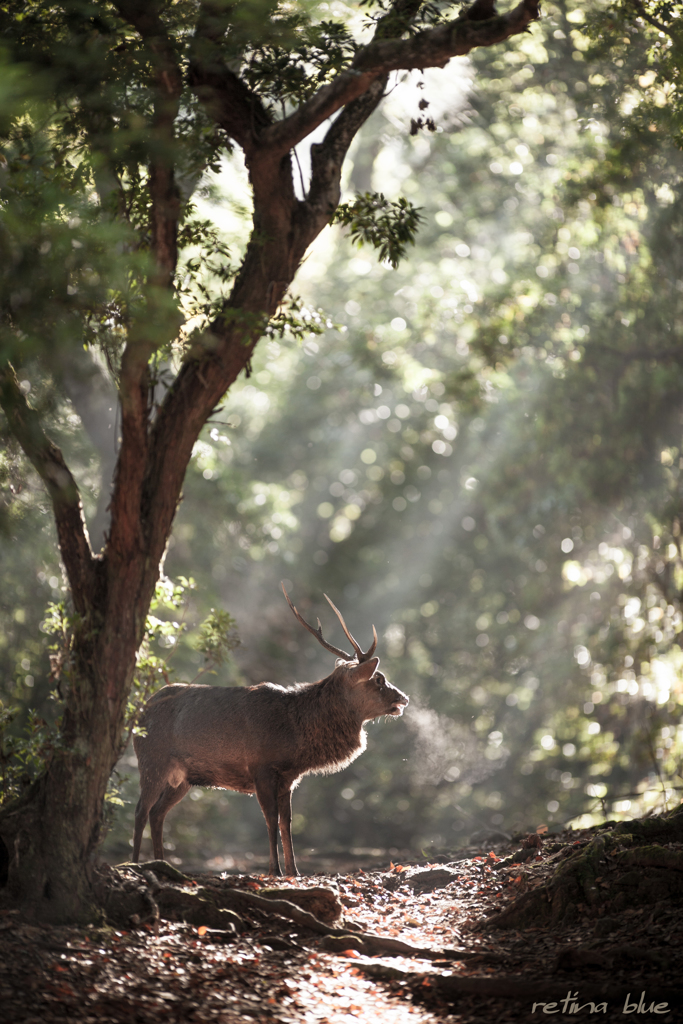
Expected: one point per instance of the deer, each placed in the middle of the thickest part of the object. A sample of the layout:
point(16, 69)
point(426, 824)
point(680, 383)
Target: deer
point(258, 739)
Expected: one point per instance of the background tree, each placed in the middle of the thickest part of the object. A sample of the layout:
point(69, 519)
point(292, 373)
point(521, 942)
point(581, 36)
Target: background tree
point(99, 169)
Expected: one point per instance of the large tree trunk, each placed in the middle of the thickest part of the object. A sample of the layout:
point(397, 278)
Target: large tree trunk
point(52, 831)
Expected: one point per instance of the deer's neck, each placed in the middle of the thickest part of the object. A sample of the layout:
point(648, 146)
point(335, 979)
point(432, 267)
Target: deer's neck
point(331, 734)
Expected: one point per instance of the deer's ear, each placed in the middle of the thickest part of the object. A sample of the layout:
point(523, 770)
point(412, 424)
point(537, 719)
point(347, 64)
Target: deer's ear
point(361, 673)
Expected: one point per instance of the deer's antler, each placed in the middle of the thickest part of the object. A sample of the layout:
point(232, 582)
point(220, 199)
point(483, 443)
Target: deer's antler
point(317, 633)
point(356, 646)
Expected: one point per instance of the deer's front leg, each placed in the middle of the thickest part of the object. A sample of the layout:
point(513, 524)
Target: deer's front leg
point(266, 785)
point(284, 805)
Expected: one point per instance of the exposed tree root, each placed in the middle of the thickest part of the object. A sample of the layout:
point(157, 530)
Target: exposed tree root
point(437, 988)
point(651, 857)
point(320, 901)
point(336, 939)
point(429, 988)
point(159, 867)
point(133, 895)
point(371, 944)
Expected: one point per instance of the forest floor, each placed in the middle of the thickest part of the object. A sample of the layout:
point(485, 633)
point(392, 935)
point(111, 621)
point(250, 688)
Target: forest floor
point(588, 924)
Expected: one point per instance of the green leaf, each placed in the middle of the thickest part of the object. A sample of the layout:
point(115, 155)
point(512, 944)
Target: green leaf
point(388, 226)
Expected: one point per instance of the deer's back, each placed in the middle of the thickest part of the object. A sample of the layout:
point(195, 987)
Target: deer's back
point(193, 717)
point(215, 736)
point(218, 736)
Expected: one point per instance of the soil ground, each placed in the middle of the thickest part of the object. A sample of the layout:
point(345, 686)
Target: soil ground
point(617, 957)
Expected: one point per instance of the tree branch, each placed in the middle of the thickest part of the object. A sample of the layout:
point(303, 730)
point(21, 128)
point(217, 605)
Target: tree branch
point(327, 157)
point(227, 99)
point(431, 48)
point(229, 102)
point(642, 12)
point(284, 227)
point(48, 460)
point(126, 536)
point(398, 19)
point(126, 526)
point(168, 81)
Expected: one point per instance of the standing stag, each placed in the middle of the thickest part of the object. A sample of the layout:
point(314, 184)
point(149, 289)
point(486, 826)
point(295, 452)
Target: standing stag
point(258, 739)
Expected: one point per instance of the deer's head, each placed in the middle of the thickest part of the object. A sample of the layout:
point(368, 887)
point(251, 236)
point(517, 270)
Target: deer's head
point(370, 690)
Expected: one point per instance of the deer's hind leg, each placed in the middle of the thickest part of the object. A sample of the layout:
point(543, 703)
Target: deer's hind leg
point(149, 794)
point(170, 796)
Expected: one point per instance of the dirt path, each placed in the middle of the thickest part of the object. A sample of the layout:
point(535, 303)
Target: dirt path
point(265, 965)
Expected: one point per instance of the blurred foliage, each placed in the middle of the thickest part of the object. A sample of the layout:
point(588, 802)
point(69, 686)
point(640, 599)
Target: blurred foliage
point(484, 457)
point(217, 638)
point(22, 756)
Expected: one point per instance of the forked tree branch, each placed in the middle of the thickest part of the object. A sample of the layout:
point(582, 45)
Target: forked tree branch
point(233, 106)
point(431, 48)
point(47, 459)
point(284, 228)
